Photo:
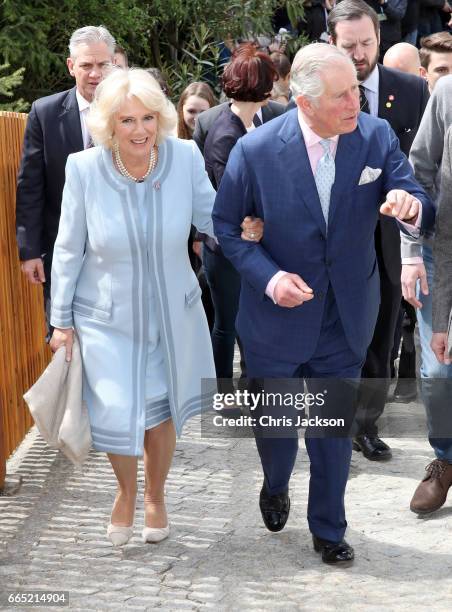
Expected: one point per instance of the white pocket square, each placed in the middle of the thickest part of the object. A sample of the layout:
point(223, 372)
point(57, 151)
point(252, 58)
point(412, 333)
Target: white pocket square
point(369, 175)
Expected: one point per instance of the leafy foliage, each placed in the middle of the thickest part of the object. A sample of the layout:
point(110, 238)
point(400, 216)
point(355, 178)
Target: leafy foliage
point(35, 34)
point(9, 82)
point(178, 36)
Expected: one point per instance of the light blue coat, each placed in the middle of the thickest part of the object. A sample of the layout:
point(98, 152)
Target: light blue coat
point(101, 268)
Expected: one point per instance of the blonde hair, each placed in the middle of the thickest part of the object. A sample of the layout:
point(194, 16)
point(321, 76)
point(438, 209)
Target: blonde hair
point(121, 85)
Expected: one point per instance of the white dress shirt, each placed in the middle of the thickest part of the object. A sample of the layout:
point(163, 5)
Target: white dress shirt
point(371, 85)
point(83, 109)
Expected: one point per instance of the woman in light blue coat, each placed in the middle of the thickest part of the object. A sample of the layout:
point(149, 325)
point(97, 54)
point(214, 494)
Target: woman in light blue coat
point(121, 277)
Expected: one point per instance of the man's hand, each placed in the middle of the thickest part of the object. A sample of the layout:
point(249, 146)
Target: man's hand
point(252, 229)
point(291, 290)
point(34, 270)
point(401, 205)
point(62, 337)
point(410, 274)
point(439, 347)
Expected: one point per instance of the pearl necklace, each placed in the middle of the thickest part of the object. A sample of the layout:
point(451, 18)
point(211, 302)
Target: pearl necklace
point(123, 170)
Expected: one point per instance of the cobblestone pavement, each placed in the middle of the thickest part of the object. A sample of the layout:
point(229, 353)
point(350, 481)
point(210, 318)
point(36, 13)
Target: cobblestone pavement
point(219, 555)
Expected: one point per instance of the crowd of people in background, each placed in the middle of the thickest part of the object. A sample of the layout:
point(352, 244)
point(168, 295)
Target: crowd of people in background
point(400, 20)
point(124, 142)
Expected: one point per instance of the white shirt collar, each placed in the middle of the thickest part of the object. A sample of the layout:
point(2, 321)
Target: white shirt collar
point(372, 81)
point(83, 104)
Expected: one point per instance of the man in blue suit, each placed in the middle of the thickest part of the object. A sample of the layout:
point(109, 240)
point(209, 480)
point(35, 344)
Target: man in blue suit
point(310, 288)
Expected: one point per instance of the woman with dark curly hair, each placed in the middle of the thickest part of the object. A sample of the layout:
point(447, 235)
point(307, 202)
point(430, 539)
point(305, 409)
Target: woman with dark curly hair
point(248, 81)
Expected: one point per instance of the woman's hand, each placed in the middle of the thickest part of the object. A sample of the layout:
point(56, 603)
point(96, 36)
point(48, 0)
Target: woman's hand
point(252, 229)
point(62, 337)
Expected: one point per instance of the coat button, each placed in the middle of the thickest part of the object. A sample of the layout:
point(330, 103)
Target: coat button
point(320, 295)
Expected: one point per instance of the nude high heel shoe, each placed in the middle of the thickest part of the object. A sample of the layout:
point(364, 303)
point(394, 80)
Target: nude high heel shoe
point(155, 534)
point(119, 536)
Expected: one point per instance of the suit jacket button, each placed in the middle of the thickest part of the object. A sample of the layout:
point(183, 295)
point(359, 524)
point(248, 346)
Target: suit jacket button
point(320, 295)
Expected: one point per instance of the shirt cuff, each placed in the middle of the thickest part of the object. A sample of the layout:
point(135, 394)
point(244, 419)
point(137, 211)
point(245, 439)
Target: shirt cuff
point(412, 260)
point(270, 289)
point(414, 229)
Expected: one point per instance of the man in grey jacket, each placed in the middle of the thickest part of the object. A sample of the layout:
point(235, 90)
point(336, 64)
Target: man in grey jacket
point(418, 268)
point(442, 252)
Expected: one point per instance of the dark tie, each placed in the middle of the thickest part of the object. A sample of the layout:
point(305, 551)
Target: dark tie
point(256, 120)
point(363, 102)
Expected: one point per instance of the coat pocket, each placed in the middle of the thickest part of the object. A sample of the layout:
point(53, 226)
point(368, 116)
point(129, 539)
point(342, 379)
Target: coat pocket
point(193, 296)
point(91, 309)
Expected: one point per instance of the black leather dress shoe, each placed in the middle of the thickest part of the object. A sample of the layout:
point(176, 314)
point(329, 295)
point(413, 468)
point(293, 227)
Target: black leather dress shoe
point(334, 552)
point(274, 509)
point(405, 390)
point(372, 448)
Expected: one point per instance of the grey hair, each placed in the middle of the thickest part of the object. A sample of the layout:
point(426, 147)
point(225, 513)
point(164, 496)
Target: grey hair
point(309, 63)
point(91, 35)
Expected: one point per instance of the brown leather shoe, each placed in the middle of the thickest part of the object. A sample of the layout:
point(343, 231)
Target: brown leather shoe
point(431, 492)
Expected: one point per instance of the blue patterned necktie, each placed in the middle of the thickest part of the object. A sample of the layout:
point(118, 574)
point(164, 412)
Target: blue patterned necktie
point(324, 177)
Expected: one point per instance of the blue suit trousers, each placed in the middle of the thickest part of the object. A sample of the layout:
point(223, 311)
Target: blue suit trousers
point(329, 456)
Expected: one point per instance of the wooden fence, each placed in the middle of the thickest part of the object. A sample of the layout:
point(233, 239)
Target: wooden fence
point(23, 353)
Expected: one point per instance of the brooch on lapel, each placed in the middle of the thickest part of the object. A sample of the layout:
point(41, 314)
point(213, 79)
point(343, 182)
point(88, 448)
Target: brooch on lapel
point(156, 185)
point(390, 101)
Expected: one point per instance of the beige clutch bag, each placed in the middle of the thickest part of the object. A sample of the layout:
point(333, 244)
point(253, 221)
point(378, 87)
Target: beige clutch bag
point(55, 403)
